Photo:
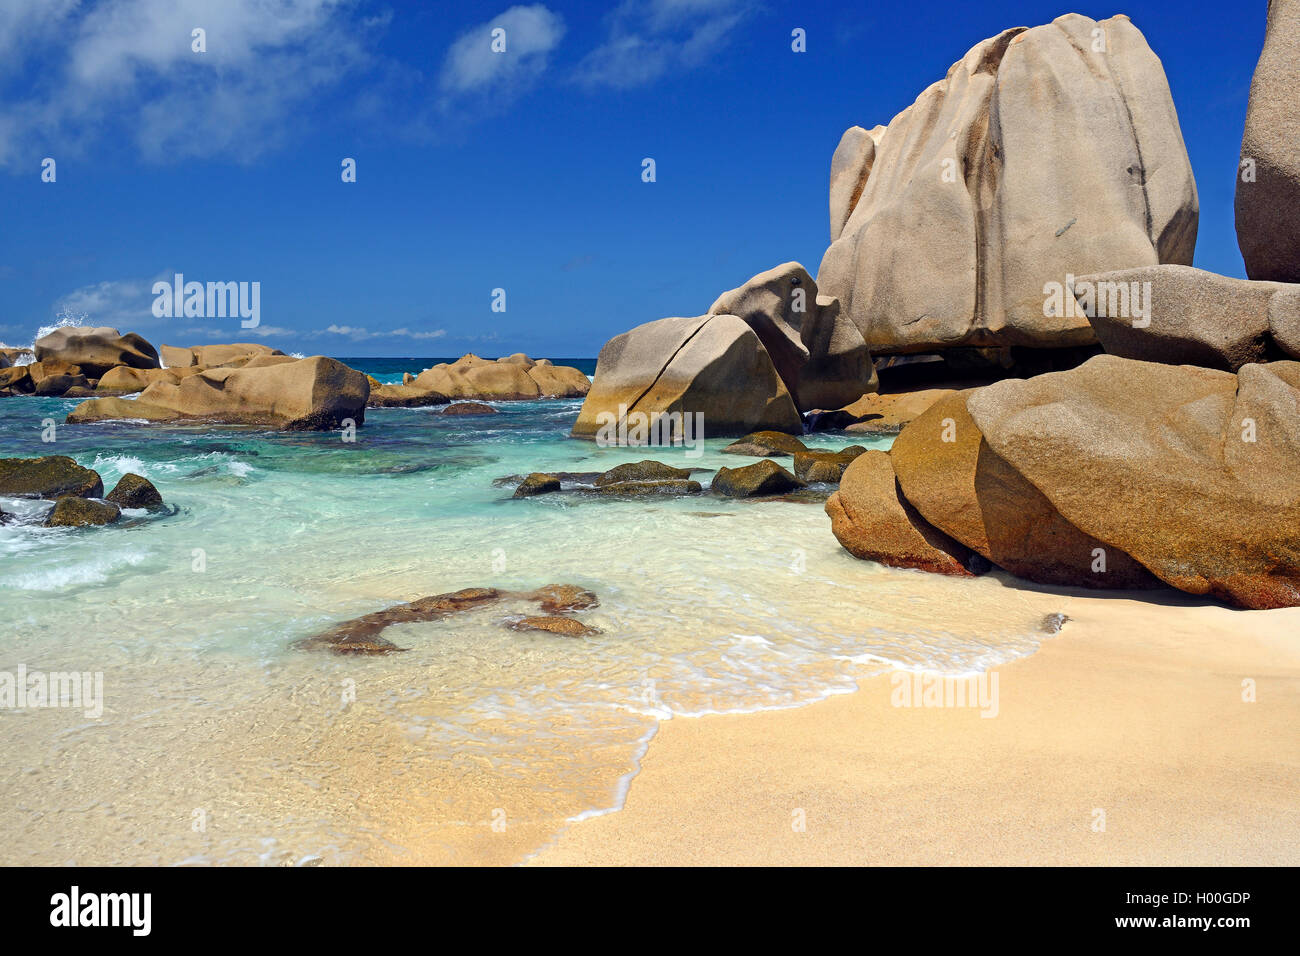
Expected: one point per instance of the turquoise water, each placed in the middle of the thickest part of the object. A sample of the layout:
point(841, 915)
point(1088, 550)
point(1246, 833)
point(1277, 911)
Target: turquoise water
point(707, 605)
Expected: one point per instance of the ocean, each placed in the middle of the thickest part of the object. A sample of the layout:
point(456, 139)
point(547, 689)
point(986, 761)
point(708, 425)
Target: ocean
point(221, 743)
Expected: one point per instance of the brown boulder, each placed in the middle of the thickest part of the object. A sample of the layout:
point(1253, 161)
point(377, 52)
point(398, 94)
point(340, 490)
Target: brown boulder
point(82, 512)
point(311, 393)
point(95, 351)
point(135, 491)
point(1189, 470)
point(761, 479)
point(872, 520)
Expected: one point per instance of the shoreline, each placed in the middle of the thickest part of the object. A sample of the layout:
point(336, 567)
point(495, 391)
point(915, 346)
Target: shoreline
point(1134, 709)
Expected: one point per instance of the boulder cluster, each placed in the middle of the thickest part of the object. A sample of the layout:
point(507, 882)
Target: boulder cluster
point(77, 492)
point(250, 384)
point(1173, 459)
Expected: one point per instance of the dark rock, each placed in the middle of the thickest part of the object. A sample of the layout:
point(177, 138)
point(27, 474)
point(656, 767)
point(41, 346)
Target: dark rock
point(537, 484)
point(135, 491)
point(52, 476)
point(55, 385)
point(80, 512)
point(633, 489)
point(825, 466)
point(641, 471)
point(554, 624)
point(470, 408)
point(759, 479)
point(1053, 623)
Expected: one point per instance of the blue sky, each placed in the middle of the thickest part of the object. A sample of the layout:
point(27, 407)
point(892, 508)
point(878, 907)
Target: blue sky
point(478, 171)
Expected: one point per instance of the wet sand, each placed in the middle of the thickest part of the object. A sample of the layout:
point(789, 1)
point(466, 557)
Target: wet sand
point(1135, 710)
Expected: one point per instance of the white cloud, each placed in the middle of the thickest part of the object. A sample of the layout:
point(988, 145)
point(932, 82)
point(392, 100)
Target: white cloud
point(122, 304)
point(357, 334)
point(649, 38)
point(131, 61)
point(471, 65)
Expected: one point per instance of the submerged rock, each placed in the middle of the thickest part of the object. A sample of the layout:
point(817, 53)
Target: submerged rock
point(52, 476)
point(563, 597)
point(362, 635)
point(537, 484)
point(760, 479)
point(470, 408)
point(135, 491)
point(641, 471)
point(554, 624)
point(81, 512)
point(1052, 623)
point(638, 489)
point(825, 466)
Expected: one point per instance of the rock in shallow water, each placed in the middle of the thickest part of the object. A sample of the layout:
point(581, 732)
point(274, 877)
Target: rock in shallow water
point(554, 624)
point(362, 635)
point(82, 512)
point(757, 480)
point(537, 484)
point(51, 476)
point(135, 491)
point(873, 521)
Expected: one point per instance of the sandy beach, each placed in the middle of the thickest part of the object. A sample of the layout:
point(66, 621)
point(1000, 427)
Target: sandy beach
point(1135, 708)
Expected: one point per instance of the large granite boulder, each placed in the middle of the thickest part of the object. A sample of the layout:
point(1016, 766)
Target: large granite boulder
point(215, 356)
point(1268, 182)
point(850, 169)
point(310, 393)
point(513, 378)
point(1043, 153)
point(1190, 471)
point(873, 521)
point(819, 354)
point(711, 365)
point(947, 471)
point(1184, 316)
point(1113, 474)
point(95, 351)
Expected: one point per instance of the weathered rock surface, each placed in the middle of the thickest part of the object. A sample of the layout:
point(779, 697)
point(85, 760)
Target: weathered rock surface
point(761, 479)
point(982, 191)
point(471, 377)
point(646, 470)
point(850, 169)
point(1268, 203)
point(765, 445)
point(469, 408)
point(82, 512)
point(872, 520)
point(819, 354)
point(403, 396)
point(311, 393)
point(537, 484)
point(825, 466)
point(51, 476)
point(135, 491)
point(1184, 316)
point(1190, 471)
point(711, 365)
point(96, 350)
